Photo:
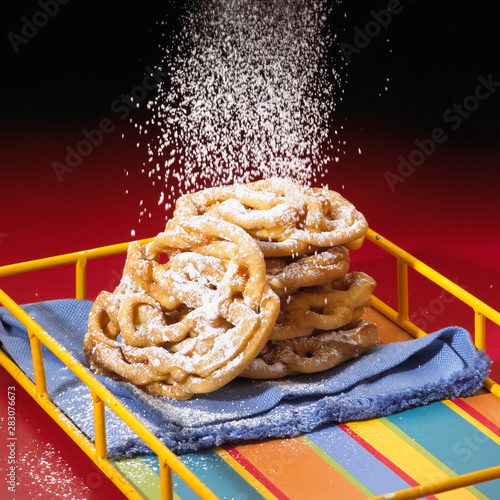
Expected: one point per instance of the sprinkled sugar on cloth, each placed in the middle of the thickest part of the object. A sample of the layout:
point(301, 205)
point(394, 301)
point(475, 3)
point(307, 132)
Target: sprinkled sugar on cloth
point(390, 378)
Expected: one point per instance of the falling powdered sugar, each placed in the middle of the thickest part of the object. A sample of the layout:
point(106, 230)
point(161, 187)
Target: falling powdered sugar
point(249, 95)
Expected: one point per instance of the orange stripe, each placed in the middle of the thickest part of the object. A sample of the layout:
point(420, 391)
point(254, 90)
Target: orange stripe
point(298, 471)
point(487, 405)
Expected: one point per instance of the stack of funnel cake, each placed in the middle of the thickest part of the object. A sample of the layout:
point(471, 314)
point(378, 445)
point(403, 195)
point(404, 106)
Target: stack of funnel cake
point(246, 280)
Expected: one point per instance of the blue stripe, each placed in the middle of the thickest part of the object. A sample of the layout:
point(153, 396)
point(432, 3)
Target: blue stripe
point(214, 472)
point(452, 440)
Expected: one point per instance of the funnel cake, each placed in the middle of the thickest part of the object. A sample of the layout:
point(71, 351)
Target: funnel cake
point(285, 218)
point(314, 353)
point(245, 280)
point(286, 276)
point(325, 307)
point(210, 321)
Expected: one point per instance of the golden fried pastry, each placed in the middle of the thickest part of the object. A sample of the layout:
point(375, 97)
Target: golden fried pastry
point(247, 280)
point(187, 277)
point(313, 353)
point(190, 343)
point(323, 307)
point(286, 219)
point(286, 277)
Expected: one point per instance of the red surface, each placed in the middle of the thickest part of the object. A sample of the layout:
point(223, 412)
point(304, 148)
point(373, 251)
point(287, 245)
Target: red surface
point(444, 213)
point(47, 464)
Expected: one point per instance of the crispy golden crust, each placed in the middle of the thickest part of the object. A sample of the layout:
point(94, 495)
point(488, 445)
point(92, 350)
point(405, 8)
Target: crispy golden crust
point(324, 307)
point(215, 331)
point(313, 353)
point(286, 276)
point(285, 218)
point(247, 280)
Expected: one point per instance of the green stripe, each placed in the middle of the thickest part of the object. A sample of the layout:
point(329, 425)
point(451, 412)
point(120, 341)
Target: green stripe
point(335, 465)
point(394, 428)
point(141, 477)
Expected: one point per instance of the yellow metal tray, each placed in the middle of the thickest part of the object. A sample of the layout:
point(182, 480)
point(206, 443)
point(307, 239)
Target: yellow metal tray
point(169, 462)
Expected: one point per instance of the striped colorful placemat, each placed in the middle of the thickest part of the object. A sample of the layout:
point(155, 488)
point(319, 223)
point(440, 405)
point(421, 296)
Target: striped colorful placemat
point(350, 461)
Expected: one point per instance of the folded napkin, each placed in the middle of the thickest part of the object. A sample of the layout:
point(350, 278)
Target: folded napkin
point(388, 379)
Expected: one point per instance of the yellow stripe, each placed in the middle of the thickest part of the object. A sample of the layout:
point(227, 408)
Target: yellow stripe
point(473, 421)
point(429, 456)
point(255, 483)
point(404, 456)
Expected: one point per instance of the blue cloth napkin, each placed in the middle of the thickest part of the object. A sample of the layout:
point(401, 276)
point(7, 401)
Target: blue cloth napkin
point(388, 379)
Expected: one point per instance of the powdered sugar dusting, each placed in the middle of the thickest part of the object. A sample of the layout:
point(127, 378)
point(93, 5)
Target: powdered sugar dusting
point(249, 95)
point(44, 464)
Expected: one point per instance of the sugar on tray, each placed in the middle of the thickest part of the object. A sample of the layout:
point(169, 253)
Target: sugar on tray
point(249, 95)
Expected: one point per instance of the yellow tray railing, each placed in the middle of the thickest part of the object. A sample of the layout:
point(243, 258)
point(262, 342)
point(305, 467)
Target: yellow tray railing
point(168, 461)
point(101, 397)
point(401, 316)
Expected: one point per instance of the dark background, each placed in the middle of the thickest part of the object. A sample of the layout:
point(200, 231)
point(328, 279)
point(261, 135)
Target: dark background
point(90, 52)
